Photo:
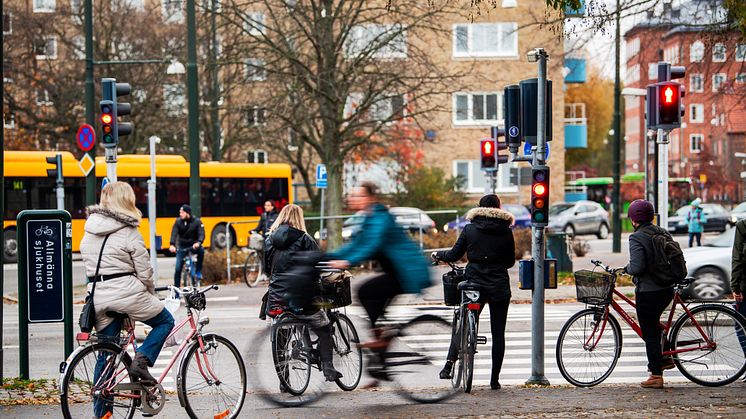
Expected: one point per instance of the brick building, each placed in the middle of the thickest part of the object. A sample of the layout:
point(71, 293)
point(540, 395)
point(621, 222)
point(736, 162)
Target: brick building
point(713, 127)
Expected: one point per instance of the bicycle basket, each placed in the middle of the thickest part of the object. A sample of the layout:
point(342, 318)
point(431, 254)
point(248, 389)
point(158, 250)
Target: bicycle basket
point(335, 289)
point(594, 287)
point(451, 294)
point(256, 241)
point(196, 300)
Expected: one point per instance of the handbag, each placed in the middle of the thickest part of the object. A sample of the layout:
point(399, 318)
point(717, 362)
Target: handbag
point(88, 316)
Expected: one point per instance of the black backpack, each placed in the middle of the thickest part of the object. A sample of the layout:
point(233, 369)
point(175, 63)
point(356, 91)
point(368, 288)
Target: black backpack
point(668, 265)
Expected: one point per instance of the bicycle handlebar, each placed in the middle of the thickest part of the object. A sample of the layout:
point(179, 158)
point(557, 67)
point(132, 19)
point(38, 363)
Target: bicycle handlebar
point(605, 267)
point(188, 289)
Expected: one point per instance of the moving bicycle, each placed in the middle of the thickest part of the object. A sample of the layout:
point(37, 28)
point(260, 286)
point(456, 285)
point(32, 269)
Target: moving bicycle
point(187, 237)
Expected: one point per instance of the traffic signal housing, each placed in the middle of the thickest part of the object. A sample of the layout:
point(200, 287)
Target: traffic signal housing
point(488, 151)
point(540, 196)
point(108, 123)
point(111, 110)
point(665, 107)
point(56, 172)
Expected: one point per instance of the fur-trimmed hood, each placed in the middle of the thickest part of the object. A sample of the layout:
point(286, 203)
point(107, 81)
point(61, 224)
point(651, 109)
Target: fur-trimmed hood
point(102, 221)
point(490, 213)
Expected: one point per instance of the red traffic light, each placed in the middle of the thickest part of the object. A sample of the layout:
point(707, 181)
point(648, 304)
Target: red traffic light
point(540, 189)
point(106, 118)
point(668, 95)
point(488, 148)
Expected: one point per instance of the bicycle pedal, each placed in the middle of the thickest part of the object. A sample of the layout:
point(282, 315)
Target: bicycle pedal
point(482, 340)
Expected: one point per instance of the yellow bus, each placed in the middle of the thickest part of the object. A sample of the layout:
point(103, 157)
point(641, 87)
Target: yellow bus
point(231, 192)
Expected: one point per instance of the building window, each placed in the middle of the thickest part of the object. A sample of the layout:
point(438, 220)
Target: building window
point(476, 108)
point(672, 54)
point(174, 99)
point(485, 40)
point(381, 41)
point(507, 4)
point(472, 179)
point(136, 4)
point(254, 24)
point(257, 156)
point(697, 52)
point(46, 48)
point(697, 113)
point(717, 81)
point(7, 23)
point(741, 78)
point(254, 70)
point(696, 83)
point(44, 6)
point(256, 116)
point(9, 120)
point(43, 98)
point(718, 53)
point(384, 109)
point(173, 11)
point(695, 143)
point(633, 47)
point(77, 47)
point(653, 71)
point(741, 52)
point(633, 74)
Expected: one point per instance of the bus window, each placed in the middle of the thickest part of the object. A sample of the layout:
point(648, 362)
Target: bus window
point(17, 197)
point(75, 197)
point(172, 194)
point(140, 187)
point(43, 194)
point(210, 197)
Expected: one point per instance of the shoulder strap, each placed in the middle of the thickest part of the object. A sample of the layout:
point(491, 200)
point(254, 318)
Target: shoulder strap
point(98, 263)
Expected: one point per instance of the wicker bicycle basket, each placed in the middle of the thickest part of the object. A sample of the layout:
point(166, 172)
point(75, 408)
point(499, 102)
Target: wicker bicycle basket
point(594, 287)
point(336, 290)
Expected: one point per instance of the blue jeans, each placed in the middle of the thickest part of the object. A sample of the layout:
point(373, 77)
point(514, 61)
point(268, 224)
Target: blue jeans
point(741, 308)
point(693, 236)
point(181, 254)
point(162, 325)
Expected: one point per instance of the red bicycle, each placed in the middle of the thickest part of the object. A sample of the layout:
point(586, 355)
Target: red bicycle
point(211, 380)
point(707, 342)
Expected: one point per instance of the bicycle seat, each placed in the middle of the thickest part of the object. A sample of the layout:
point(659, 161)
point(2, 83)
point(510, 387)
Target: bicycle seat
point(116, 315)
point(686, 281)
point(469, 286)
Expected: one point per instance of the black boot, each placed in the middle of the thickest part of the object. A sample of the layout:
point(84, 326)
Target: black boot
point(139, 370)
point(330, 373)
point(447, 372)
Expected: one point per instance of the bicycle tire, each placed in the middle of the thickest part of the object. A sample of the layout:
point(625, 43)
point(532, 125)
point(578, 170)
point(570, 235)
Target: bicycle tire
point(571, 344)
point(345, 343)
point(292, 346)
point(253, 268)
point(264, 380)
point(222, 390)
point(722, 325)
point(68, 396)
point(414, 358)
point(470, 349)
point(457, 370)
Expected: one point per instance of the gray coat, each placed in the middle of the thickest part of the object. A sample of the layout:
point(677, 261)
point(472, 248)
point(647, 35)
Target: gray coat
point(124, 252)
point(640, 253)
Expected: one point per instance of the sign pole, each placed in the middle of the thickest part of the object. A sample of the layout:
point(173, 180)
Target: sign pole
point(321, 227)
point(151, 209)
point(44, 276)
point(321, 182)
point(662, 178)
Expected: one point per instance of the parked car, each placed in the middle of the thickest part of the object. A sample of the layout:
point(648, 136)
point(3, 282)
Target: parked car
point(718, 219)
point(522, 218)
point(578, 218)
point(738, 213)
point(710, 265)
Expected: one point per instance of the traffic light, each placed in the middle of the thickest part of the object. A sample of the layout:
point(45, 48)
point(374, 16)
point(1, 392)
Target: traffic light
point(669, 104)
point(55, 173)
point(496, 133)
point(529, 90)
point(512, 116)
point(111, 110)
point(540, 196)
point(665, 107)
point(488, 151)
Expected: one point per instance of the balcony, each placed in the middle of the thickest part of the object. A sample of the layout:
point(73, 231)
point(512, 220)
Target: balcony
point(574, 70)
point(576, 126)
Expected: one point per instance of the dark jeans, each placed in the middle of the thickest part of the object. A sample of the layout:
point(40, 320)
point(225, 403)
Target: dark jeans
point(693, 236)
point(498, 320)
point(162, 325)
point(376, 293)
point(650, 306)
point(741, 308)
point(181, 254)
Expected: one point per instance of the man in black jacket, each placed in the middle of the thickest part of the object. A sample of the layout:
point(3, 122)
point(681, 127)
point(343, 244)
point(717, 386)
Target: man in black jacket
point(267, 219)
point(187, 234)
point(651, 297)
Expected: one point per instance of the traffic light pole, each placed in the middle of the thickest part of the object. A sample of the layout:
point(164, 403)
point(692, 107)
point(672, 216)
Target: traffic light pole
point(151, 209)
point(537, 245)
point(193, 111)
point(663, 178)
point(90, 99)
point(616, 242)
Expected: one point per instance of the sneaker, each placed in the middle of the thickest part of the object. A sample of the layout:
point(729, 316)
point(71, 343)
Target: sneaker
point(654, 381)
point(447, 372)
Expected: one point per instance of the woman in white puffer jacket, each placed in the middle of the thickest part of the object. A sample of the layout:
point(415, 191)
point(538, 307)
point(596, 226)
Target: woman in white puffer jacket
point(125, 277)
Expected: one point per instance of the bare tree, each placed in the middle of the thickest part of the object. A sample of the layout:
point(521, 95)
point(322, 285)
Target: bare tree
point(338, 74)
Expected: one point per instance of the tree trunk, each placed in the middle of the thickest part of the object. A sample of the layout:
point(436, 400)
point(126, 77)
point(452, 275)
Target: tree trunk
point(333, 201)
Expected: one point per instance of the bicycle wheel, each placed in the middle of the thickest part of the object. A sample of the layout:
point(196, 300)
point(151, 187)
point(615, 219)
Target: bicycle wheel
point(252, 268)
point(97, 368)
point(264, 369)
point(348, 357)
point(588, 347)
point(457, 370)
point(212, 381)
point(716, 365)
point(469, 346)
point(415, 356)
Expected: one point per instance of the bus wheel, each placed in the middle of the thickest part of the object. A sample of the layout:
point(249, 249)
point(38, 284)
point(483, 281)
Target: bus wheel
point(10, 255)
point(219, 239)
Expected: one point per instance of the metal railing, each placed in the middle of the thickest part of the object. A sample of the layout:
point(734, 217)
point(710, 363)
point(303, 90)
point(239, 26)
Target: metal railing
point(228, 245)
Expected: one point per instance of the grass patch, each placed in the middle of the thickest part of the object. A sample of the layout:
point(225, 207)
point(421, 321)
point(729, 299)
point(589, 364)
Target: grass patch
point(16, 383)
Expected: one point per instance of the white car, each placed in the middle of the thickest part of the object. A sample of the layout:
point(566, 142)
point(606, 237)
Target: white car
point(711, 266)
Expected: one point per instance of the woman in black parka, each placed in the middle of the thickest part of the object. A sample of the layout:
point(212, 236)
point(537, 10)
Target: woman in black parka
point(287, 237)
point(489, 246)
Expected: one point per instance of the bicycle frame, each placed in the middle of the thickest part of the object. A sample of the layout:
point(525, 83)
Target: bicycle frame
point(708, 344)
